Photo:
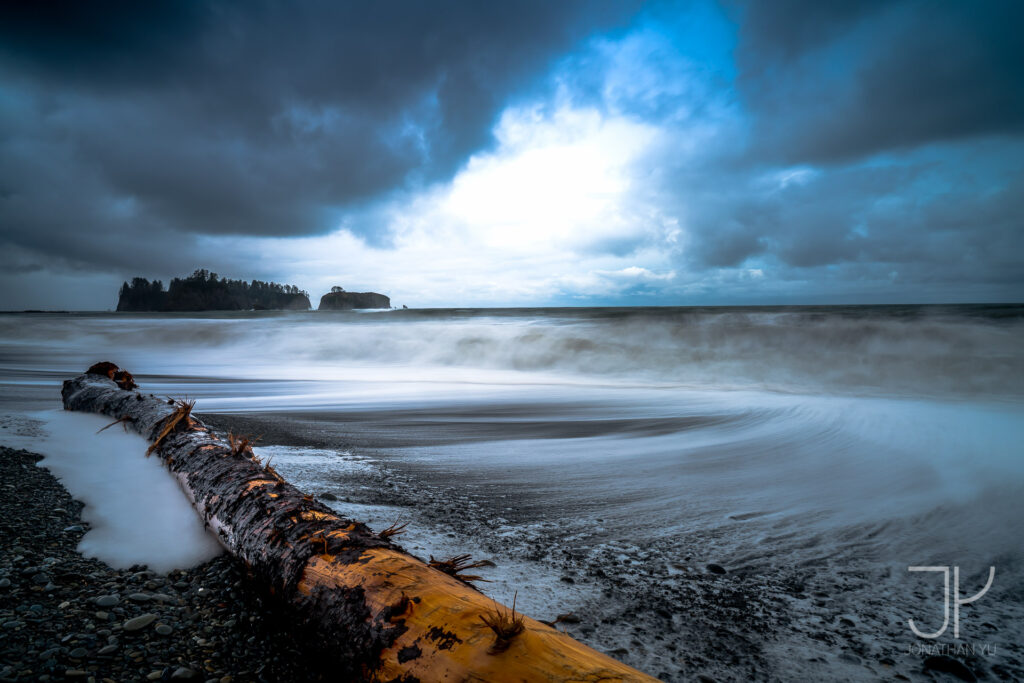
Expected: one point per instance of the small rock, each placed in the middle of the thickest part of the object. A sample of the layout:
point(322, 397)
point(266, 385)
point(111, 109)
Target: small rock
point(164, 629)
point(947, 664)
point(5, 583)
point(76, 673)
point(140, 597)
point(107, 601)
point(107, 649)
point(183, 674)
point(75, 527)
point(50, 587)
point(715, 568)
point(139, 623)
point(155, 675)
point(78, 653)
point(328, 496)
point(102, 616)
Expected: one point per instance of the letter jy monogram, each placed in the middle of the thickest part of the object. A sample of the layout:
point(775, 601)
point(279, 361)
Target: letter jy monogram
point(957, 601)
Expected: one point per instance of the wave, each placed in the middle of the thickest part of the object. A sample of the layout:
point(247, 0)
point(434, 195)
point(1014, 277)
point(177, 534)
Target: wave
point(962, 351)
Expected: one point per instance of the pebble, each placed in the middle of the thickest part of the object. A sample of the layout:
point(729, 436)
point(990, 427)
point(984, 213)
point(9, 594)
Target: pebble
point(183, 674)
point(5, 583)
point(139, 623)
point(946, 664)
point(140, 597)
point(107, 601)
point(716, 568)
point(78, 653)
point(107, 649)
point(164, 629)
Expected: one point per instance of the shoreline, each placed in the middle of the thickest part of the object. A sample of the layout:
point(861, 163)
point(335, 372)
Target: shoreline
point(651, 606)
point(206, 624)
point(665, 605)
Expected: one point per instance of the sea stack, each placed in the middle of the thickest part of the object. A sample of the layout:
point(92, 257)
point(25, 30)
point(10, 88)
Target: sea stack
point(340, 300)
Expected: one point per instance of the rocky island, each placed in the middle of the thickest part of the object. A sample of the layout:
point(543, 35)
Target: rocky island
point(205, 291)
point(340, 300)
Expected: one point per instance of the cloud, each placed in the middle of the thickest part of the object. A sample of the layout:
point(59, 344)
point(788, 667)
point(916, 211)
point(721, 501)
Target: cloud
point(527, 222)
point(520, 153)
point(128, 127)
point(839, 81)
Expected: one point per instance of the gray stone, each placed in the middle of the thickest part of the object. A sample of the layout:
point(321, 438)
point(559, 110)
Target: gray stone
point(5, 583)
point(139, 623)
point(140, 597)
point(183, 674)
point(164, 629)
point(107, 649)
point(107, 601)
point(78, 653)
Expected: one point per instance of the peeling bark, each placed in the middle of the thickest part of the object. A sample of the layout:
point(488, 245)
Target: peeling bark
point(378, 612)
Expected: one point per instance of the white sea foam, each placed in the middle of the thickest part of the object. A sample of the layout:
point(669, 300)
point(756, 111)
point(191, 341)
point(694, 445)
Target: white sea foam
point(137, 511)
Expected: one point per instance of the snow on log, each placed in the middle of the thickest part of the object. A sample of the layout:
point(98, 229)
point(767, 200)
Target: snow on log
point(379, 613)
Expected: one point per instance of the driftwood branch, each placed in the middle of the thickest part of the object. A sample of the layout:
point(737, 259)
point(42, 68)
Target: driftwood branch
point(380, 613)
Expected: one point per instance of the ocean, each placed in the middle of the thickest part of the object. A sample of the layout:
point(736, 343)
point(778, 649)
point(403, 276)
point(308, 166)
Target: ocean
point(737, 492)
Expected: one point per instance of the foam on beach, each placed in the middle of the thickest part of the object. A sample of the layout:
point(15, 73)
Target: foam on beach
point(135, 508)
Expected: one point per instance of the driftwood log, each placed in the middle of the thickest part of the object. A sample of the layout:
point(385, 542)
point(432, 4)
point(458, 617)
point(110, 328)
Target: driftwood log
point(379, 613)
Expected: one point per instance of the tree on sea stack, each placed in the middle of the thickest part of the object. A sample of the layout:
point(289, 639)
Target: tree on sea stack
point(375, 611)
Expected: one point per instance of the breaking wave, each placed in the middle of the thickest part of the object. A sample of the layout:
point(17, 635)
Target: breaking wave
point(943, 351)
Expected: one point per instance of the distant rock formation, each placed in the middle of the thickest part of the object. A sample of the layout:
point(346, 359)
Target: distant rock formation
point(205, 291)
point(340, 300)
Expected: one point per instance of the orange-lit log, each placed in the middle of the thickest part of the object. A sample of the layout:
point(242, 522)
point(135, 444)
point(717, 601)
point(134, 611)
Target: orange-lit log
point(380, 613)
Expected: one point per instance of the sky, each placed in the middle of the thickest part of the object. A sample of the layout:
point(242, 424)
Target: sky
point(520, 153)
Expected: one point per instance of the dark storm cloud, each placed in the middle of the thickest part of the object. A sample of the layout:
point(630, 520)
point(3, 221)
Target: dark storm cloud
point(927, 222)
point(871, 141)
point(829, 82)
point(126, 122)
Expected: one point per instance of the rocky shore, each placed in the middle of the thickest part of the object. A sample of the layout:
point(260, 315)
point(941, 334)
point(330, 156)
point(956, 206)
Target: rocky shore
point(63, 616)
